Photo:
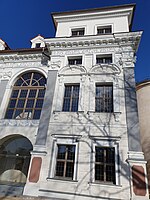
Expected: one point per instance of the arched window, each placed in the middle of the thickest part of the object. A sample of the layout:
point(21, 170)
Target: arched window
point(27, 97)
point(15, 159)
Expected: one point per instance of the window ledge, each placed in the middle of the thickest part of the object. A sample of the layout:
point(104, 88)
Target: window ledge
point(105, 184)
point(19, 122)
point(60, 179)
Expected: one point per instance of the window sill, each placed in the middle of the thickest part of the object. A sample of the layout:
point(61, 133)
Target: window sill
point(105, 184)
point(61, 179)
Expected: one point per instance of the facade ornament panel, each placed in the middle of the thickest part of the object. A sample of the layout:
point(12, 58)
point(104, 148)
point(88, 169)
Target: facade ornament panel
point(23, 123)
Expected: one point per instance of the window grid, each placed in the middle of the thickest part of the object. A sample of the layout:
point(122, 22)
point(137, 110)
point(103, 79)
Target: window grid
point(105, 164)
point(104, 30)
point(27, 97)
point(78, 32)
point(104, 59)
point(65, 161)
point(104, 98)
point(71, 98)
point(75, 61)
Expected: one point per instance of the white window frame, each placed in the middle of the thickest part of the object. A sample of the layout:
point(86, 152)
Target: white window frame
point(78, 27)
point(64, 140)
point(106, 143)
point(103, 26)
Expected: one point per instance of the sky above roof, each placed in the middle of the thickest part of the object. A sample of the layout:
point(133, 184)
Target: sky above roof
point(22, 20)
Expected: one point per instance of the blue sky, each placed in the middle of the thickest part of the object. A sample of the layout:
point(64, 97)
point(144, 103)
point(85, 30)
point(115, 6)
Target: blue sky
point(22, 20)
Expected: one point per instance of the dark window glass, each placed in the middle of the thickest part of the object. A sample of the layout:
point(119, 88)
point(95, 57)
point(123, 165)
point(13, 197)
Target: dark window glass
point(37, 45)
point(78, 32)
point(65, 161)
point(104, 59)
point(75, 61)
point(27, 95)
point(104, 30)
point(71, 98)
point(105, 164)
point(104, 98)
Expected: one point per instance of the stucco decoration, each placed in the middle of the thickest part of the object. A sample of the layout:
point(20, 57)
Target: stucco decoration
point(54, 65)
point(5, 75)
point(105, 69)
point(24, 123)
point(72, 69)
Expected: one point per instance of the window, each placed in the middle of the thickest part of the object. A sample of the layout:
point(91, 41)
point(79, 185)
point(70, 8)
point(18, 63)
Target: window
point(65, 161)
point(27, 97)
point(75, 61)
point(104, 98)
point(105, 164)
point(37, 45)
point(104, 30)
point(78, 32)
point(103, 59)
point(71, 98)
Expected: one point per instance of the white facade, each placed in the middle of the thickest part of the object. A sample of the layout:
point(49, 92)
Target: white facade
point(85, 129)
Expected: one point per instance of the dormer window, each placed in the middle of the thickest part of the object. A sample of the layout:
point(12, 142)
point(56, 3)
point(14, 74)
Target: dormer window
point(103, 59)
point(104, 30)
point(77, 32)
point(37, 45)
point(75, 60)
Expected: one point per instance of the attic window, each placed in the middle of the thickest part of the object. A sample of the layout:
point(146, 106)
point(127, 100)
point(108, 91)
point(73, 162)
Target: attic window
point(77, 32)
point(75, 60)
point(104, 30)
point(37, 45)
point(103, 59)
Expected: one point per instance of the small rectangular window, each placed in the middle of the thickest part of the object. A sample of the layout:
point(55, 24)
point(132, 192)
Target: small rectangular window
point(104, 98)
point(105, 164)
point(104, 30)
point(103, 59)
point(78, 32)
point(75, 61)
point(37, 45)
point(71, 98)
point(65, 161)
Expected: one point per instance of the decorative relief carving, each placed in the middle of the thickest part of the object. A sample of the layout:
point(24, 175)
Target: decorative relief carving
point(5, 75)
point(24, 123)
point(54, 65)
point(72, 69)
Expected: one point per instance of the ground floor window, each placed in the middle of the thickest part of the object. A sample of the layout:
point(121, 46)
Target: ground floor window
point(65, 161)
point(105, 164)
point(14, 159)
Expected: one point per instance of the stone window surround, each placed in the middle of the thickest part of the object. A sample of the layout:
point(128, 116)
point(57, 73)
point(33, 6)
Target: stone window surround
point(72, 56)
point(101, 55)
point(78, 27)
point(104, 25)
point(66, 140)
point(106, 143)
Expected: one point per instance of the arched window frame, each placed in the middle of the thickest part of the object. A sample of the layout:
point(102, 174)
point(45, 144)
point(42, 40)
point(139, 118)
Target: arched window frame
point(29, 106)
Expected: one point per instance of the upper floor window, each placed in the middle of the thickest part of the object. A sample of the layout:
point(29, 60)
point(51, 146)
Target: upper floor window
point(105, 164)
point(104, 98)
point(27, 97)
point(65, 161)
point(71, 98)
point(103, 59)
point(77, 32)
point(104, 30)
point(37, 45)
point(75, 60)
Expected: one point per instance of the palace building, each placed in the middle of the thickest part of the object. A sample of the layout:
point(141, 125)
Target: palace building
point(68, 111)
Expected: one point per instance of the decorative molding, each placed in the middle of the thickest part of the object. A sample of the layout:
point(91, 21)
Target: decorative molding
point(24, 123)
point(5, 75)
point(54, 65)
point(117, 116)
point(105, 69)
point(72, 70)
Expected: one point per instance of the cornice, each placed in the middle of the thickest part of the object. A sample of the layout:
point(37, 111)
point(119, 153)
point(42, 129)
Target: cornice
point(15, 58)
point(116, 39)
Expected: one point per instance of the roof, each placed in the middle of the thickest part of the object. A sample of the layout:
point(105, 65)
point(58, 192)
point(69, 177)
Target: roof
point(28, 50)
point(142, 84)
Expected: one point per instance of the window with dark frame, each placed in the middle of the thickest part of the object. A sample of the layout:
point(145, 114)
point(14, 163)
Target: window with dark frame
point(105, 164)
point(65, 161)
point(104, 98)
point(27, 97)
point(37, 45)
point(103, 59)
point(71, 98)
point(104, 30)
point(75, 61)
point(77, 32)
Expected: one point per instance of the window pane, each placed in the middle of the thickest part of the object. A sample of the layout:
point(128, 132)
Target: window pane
point(41, 93)
point(30, 103)
point(61, 152)
point(27, 114)
point(20, 103)
point(110, 176)
point(12, 103)
point(27, 76)
point(69, 169)
point(14, 93)
point(68, 91)
point(19, 82)
point(110, 155)
point(18, 114)
point(37, 114)
point(99, 172)
point(32, 93)
point(99, 154)
point(71, 152)
point(74, 107)
point(39, 103)
point(23, 93)
point(9, 114)
point(59, 168)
